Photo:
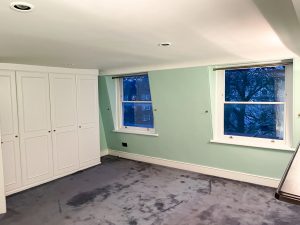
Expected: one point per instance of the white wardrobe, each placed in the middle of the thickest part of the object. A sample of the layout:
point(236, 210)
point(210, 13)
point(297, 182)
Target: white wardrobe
point(2, 192)
point(49, 120)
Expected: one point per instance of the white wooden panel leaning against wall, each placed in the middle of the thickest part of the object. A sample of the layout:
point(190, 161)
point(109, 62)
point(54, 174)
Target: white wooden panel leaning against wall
point(49, 122)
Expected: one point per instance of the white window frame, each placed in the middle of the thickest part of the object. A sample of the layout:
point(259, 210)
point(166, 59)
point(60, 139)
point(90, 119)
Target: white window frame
point(119, 113)
point(219, 135)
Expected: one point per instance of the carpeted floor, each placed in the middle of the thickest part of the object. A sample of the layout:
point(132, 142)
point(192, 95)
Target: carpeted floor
point(124, 192)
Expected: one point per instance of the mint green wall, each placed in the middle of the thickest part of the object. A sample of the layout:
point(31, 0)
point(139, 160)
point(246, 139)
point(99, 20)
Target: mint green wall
point(181, 97)
point(103, 143)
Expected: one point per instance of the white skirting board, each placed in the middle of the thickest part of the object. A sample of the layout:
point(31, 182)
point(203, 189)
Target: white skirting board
point(104, 152)
point(233, 175)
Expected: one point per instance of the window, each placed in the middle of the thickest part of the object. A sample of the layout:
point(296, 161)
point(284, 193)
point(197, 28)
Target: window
point(134, 104)
point(253, 106)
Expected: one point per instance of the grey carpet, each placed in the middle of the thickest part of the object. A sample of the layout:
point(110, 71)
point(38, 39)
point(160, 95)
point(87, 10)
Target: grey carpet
point(124, 192)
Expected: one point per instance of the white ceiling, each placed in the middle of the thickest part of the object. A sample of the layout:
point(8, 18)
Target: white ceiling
point(119, 36)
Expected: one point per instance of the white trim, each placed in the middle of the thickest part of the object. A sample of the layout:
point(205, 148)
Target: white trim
point(139, 132)
point(136, 101)
point(254, 144)
point(233, 175)
point(218, 129)
point(117, 120)
point(48, 69)
point(289, 119)
point(119, 108)
point(119, 114)
point(103, 152)
point(255, 103)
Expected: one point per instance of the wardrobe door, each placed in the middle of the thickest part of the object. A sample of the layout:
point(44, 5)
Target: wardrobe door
point(64, 123)
point(34, 126)
point(9, 131)
point(88, 120)
point(2, 186)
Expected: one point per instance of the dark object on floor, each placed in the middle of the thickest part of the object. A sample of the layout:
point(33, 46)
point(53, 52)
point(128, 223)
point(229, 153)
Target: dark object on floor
point(124, 192)
point(289, 187)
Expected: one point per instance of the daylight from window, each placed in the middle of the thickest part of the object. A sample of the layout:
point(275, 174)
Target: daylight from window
point(136, 102)
point(255, 102)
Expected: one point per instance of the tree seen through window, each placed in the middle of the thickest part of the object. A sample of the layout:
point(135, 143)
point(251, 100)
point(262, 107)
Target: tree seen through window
point(254, 102)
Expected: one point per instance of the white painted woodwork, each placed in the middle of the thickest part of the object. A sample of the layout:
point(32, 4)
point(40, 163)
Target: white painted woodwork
point(40, 115)
point(9, 130)
point(88, 120)
point(34, 126)
point(2, 186)
point(64, 123)
point(211, 171)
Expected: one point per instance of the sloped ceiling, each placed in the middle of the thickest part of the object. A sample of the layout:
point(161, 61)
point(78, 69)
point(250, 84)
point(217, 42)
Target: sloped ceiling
point(119, 36)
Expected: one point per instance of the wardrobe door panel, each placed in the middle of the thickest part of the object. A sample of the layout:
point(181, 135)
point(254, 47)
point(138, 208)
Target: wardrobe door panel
point(89, 145)
point(88, 120)
point(64, 123)
point(35, 103)
point(36, 148)
point(9, 131)
point(11, 164)
point(35, 126)
point(65, 151)
point(7, 101)
point(88, 111)
point(2, 186)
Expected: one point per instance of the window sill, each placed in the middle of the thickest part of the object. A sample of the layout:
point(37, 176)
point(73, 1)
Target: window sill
point(270, 146)
point(136, 132)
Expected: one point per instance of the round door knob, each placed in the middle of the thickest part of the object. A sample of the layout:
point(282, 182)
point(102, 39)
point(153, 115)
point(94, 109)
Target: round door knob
point(79, 126)
point(49, 131)
point(16, 136)
point(54, 130)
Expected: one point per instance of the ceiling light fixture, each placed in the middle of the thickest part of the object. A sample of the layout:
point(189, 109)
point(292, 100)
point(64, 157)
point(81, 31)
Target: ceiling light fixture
point(164, 44)
point(21, 6)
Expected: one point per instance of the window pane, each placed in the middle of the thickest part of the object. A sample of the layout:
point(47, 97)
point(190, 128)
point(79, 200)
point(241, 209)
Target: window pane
point(264, 84)
point(254, 120)
point(137, 115)
point(136, 88)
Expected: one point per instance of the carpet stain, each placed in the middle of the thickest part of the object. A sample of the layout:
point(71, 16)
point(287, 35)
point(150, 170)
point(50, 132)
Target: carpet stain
point(132, 222)
point(89, 196)
point(172, 207)
point(100, 193)
point(68, 217)
point(159, 206)
point(59, 206)
point(207, 214)
point(125, 192)
point(231, 221)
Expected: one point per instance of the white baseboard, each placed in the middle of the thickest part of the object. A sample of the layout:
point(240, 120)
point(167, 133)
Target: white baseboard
point(233, 175)
point(104, 152)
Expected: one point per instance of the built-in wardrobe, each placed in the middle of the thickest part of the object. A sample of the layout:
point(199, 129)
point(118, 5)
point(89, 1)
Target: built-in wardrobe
point(49, 121)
